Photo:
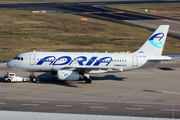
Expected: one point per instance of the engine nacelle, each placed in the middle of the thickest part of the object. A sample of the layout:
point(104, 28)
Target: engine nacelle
point(68, 75)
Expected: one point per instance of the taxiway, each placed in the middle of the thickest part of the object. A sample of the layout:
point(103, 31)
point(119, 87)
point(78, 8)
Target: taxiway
point(147, 92)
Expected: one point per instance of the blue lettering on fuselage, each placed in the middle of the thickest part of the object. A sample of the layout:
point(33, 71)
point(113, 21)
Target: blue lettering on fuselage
point(68, 59)
point(81, 60)
point(103, 60)
point(91, 61)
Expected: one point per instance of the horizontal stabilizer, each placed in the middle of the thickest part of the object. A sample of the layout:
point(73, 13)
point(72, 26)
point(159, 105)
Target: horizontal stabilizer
point(160, 58)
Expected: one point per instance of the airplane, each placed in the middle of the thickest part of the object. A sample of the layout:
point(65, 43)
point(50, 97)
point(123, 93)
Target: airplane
point(78, 65)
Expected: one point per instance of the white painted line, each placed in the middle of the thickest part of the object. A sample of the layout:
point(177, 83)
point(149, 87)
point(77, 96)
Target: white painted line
point(142, 105)
point(169, 110)
point(40, 101)
point(98, 107)
point(64, 106)
point(134, 108)
point(90, 103)
point(31, 104)
point(2, 103)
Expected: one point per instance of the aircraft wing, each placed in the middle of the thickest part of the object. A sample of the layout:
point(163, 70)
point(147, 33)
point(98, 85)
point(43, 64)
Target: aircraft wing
point(89, 69)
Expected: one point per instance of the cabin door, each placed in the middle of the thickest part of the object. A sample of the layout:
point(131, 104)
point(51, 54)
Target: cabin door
point(32, 59)
point(134, 61)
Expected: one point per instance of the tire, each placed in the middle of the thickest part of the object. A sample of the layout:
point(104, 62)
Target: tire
point(8, 80)
point(34, 79)
point(88, 80)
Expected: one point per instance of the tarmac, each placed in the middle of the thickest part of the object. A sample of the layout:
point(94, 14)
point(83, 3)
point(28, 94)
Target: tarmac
point(146, 92)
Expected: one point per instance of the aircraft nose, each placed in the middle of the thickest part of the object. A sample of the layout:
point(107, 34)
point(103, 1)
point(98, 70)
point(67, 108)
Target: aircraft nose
point(9, 64)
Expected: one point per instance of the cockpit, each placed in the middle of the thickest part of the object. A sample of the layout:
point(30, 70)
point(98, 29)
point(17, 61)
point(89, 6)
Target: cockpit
point(18, 58)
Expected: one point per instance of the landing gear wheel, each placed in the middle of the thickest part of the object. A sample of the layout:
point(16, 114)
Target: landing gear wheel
point(88, 80)
point(34, 79)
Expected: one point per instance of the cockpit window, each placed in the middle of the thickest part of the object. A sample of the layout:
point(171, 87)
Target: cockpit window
point(18, 58)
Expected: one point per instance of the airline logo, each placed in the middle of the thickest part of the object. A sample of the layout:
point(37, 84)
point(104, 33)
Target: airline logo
point(155, 40)
point(66, 75)
point(81, 60)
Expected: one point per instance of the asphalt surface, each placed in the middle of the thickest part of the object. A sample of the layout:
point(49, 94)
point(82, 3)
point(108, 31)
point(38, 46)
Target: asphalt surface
point(59, 5)
point(149, 92)
point(146, 92)
point(98, 9)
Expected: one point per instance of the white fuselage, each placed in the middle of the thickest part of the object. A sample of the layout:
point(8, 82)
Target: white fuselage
point(96, 62)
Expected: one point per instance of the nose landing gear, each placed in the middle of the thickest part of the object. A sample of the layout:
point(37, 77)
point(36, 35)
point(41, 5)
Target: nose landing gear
point(33, 78)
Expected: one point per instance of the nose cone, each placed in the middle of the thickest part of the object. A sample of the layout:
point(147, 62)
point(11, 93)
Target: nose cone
point(9, 64)
point(12, 64)
point(15, 65)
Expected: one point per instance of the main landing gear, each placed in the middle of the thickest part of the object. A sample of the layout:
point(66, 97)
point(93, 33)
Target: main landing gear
point(87, 80)
point(33, 78)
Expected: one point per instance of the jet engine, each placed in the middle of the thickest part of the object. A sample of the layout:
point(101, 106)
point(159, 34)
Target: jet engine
point(68, 75)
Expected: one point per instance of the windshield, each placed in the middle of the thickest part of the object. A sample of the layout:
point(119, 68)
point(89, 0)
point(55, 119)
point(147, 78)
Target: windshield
point(18, 58)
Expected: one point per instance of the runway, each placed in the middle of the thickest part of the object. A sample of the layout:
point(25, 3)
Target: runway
point(146, 92)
